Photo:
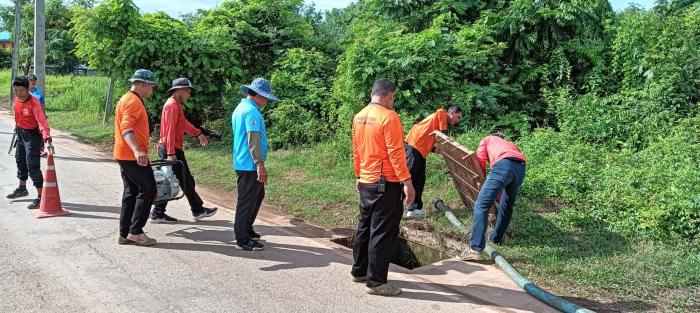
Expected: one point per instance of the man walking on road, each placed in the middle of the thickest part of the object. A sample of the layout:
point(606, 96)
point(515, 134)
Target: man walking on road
point(32, 132)
point(173, 127)
point(249, 155)
point(131, 152)
point(419, 142)
point(507, 174)
point(380, 168)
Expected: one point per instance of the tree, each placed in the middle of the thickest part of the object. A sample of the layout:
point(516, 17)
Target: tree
point(59, 41)
point(26, 34)
point(262, 30)
point(302, 79)
point(101, 32)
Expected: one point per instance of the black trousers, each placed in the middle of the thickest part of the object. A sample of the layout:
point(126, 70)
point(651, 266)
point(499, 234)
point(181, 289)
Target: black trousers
point(377, 230)
point(184, 176)
point(416, 166)
point(27, 156)
point(139, 191)
point(250, 196)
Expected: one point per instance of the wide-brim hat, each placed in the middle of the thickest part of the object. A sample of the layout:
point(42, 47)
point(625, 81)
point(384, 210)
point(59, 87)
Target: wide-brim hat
point(179, 83)
point(262, 87)
point(143, 75)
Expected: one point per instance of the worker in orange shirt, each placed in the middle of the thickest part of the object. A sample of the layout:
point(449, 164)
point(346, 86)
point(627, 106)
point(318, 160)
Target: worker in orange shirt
point(383, 179)
point(131, 135)
point(419, 142)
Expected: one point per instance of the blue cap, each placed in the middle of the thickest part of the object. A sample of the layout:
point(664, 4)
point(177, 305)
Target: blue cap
point(262, 87)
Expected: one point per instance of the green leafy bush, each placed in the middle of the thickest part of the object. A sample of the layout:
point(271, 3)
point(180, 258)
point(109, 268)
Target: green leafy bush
point(651, 192)
point(302, 79)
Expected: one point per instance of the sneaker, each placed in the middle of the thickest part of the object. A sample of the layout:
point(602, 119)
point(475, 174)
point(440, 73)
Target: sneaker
point(384, 290)
point(164, 219)
point(206, 212)
point(252, 245)
point(18, 193)
point(361, 279)
point(468, 254)
point(416, 214)
point(35, 204)
point(141, 239)
point(123, 241)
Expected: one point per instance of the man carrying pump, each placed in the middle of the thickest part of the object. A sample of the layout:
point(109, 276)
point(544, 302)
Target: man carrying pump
point(173, 127)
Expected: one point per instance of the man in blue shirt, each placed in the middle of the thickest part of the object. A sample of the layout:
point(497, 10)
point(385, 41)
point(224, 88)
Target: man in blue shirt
point(39, 94)
point(249, 155)
point(36, 91)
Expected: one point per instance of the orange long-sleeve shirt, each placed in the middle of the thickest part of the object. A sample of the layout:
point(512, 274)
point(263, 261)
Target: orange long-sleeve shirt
point(494, 149)
point(421, 135)
point(377, 145)
point(174, 126)
point(130, 117)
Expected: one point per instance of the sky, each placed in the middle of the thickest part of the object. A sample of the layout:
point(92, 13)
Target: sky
point(176, 7)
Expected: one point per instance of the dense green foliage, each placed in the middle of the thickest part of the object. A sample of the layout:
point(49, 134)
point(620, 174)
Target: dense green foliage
point(617, 95)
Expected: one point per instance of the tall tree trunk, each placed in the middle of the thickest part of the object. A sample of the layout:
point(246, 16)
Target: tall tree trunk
point(26, 66)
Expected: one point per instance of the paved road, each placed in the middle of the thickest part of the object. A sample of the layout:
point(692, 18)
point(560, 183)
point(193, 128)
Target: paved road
point(73, 264)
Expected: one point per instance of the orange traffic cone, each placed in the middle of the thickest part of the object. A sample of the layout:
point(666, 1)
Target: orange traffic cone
point(50, 198)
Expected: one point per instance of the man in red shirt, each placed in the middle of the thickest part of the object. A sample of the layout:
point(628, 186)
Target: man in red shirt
point(173, 127)
point(32, 131)
point(507, 174)
point(419, 142)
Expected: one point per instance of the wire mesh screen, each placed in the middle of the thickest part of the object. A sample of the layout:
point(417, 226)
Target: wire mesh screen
point(464, 169)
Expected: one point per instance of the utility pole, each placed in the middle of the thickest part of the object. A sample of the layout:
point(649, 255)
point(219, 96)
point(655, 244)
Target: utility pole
point(15, 46)
point(39, 47)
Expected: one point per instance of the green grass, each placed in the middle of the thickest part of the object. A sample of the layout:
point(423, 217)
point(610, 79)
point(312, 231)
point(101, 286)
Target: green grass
point(581, 260)
point(301, 182)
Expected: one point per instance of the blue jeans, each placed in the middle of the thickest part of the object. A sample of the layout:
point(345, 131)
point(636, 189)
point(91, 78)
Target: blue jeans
point(506, 175)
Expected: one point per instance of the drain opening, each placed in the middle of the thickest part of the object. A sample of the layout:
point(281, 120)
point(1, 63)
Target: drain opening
point(406, 254)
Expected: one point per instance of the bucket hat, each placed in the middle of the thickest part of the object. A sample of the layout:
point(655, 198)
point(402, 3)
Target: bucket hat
point(143, 75)
point(262, 87)
point(179, 83)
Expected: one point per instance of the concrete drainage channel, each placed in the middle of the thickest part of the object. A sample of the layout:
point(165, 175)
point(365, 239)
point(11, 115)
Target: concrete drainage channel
point(407, 254)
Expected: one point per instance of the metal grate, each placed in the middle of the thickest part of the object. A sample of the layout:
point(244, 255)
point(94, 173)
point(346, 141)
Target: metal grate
point(464, 169)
